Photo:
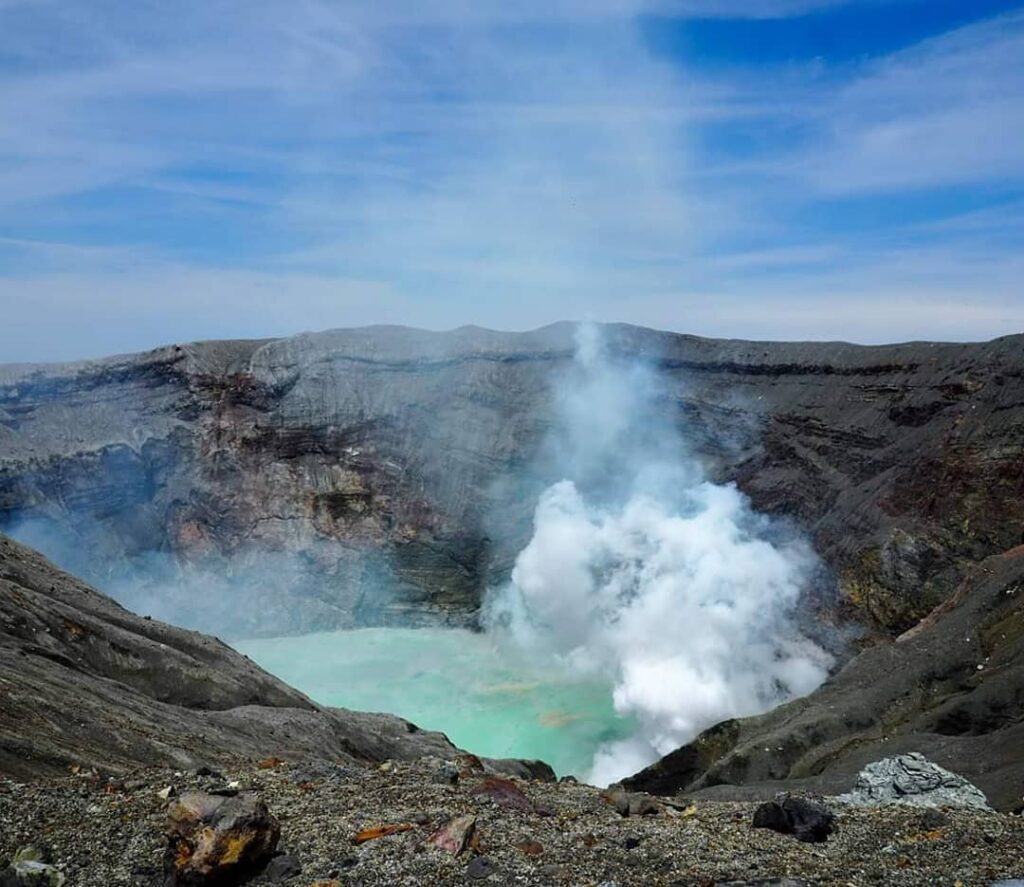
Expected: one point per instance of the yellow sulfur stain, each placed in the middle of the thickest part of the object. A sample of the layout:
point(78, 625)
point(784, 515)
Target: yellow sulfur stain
point(235, 846)
point(934, 834)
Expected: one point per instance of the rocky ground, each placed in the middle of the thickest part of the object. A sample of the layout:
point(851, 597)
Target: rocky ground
point(101, 831)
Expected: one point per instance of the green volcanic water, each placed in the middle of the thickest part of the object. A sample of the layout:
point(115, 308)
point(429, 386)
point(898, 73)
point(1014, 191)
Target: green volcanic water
point(488, 699)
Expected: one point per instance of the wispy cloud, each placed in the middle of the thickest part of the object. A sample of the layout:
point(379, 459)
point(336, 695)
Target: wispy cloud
point(947, 112)
point(503, 164)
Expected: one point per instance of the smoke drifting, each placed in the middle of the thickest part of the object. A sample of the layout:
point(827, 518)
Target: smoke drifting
point(250, 592)
point(642, 572)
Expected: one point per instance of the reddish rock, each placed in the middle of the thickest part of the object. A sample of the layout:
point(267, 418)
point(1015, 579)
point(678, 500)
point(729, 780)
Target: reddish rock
point(507, 794)
point(381, 831)
point(454, 836)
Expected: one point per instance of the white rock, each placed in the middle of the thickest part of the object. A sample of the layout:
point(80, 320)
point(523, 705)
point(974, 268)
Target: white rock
point(913, 779)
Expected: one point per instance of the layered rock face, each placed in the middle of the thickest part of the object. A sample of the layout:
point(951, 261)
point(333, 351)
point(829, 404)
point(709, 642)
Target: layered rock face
point(84, 681)
point(386, 475)
point(951, 688)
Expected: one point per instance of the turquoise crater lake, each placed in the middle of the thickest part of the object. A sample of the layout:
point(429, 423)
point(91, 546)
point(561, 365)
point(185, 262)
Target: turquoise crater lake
point(487, 698)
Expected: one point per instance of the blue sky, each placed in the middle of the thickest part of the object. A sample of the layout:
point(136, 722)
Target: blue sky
point(781, 169)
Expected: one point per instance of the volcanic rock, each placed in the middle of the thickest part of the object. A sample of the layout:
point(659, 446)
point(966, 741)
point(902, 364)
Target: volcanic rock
point(214, 840)
point(283, 868)
point(913, 779)
point(29, 870)
point(454, 835)
point(506, 793)
point(320, 465)
point(480, 868)
point(147, 693)
point(805, 820)
point(633, 803)
point(117, 842)
point(317, 467)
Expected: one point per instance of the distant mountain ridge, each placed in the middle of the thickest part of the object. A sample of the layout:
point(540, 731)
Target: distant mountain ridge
point(408, 462)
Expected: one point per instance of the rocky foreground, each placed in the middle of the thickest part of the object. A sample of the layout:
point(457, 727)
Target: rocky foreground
point(454, 824)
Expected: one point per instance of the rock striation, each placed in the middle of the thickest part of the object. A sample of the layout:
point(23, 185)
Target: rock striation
point(913, 779)
point(951, 689)
point(84, 683)
point(387, 475)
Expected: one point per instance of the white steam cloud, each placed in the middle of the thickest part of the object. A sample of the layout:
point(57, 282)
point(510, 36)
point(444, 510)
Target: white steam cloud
point(642, 572)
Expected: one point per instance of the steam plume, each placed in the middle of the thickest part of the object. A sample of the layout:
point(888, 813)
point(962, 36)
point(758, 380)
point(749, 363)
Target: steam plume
point(645, 573)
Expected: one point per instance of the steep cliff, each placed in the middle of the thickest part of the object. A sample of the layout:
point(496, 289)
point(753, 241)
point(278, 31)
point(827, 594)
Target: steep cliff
point(84, 681)
point(387, 475)
point(952, 688)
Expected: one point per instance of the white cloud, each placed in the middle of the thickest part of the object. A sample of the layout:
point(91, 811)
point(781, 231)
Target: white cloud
point(503, 164)
point(947, 112)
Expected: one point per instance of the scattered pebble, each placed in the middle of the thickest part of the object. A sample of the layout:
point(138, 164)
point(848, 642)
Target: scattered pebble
point(320, 806)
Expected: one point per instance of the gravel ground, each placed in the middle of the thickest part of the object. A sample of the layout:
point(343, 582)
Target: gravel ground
point(104, 832)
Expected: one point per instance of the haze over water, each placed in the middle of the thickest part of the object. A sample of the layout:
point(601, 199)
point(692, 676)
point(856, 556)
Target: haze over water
point(648, 605)
point(485, 695)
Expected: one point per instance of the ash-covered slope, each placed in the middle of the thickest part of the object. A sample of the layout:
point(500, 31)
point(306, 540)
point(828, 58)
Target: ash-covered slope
point(952, 688)
point(83, 681)
point(386, 475)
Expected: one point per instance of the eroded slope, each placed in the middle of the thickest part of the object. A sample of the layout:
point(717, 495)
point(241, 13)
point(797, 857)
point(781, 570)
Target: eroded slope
point(395, 471)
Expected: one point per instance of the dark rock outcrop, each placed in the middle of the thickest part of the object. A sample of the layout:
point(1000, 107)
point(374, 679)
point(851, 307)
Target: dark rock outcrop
point(952, 689)
point(394, 471)
point(84, 682)
point(804, 820)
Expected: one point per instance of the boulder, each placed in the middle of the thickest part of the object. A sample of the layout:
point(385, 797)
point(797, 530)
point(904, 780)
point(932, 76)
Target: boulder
point(218, 840)
point(803, 819)
point(913, 779)
point(506, 793)
point(283, 868)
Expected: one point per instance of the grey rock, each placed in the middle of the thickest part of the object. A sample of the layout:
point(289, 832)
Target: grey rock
point(147, 693)
point(283, 868)
point(913, 779)
point(520, 768)
point(634, 803)
point(446, 774)
point(481, 868)
point(28, 869)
